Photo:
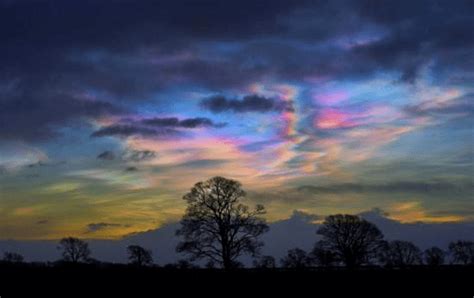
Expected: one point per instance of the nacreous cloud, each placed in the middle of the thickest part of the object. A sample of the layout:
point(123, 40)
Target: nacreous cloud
point(392, 187)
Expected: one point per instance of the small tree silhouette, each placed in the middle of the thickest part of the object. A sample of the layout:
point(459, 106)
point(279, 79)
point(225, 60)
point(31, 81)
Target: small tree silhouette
point(353, 240)
point(462, 252)
point(216, 226)
point(434, 256)
point(139, 256)
point(296, 259)
point(74, 250)
point(265, 262)
point(400, 254)
point(12, 257)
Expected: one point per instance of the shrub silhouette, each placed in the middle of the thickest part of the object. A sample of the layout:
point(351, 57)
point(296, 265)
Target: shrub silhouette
point(216, 226)
point(12, 257)
point(265, 262)
point(182, 265)
point(296, 259)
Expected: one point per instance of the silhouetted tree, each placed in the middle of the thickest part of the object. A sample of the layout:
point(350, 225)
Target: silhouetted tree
point(217, 226)
point(139, 256)
point(434, 256)
point(296, 258)
point(353, 240)
point(462, 252)
point(400, 254)
point(12, 257)
point(74, 250)
point(265, 262)
point(323, 257)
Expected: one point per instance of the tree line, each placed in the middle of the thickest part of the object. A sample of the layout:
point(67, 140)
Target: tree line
point(219, 228)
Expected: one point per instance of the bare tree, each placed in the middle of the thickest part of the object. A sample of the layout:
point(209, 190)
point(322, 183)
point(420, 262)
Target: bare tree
point(353, 240)
point(265, 262)
point(139, 256)
point(12, 257)
point(434, 256)
point(400, 254)
point(217, 227)
point(296, 258)
point(462, 252)
point(74, 250)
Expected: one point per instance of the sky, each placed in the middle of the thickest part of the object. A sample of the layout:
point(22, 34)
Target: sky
point(110, 111)
point(298, 230)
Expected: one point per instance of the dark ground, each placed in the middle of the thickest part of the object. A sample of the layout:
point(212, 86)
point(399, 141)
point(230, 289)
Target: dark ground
point(92, 280)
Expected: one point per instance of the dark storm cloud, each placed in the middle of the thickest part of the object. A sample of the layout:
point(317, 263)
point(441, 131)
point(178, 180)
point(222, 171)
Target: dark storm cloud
point(112, 23)
point(100, 45)
point(123, 52)
point(250, 103)
point(418, 32)
point(185, 123)
point(154, 127)
point(120, 130)
point(400, 186)
point(106, 155)
point(413, 32)
point(25, 114)
point(129, 155)
point(53, 49)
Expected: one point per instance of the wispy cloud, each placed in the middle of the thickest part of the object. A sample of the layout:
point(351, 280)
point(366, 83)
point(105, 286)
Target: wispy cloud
point(249, 103)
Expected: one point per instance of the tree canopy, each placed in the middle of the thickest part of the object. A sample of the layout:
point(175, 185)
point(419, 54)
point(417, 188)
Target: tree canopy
point(139, 256)
point(74, 250)
point(400, 253)
point(353, 240)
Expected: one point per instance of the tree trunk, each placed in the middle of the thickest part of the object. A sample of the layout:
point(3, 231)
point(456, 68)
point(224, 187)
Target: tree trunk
point(227, 263)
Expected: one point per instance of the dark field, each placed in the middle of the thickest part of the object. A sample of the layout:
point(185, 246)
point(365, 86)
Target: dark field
point(88, 280)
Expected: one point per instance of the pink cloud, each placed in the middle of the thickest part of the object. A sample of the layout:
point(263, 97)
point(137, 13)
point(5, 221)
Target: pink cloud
point(332, 118)
point(331, 98)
